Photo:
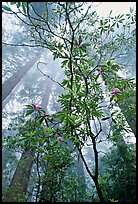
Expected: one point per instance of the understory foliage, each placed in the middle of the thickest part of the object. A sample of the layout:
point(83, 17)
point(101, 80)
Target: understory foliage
point(88, 47)
point(118, 173)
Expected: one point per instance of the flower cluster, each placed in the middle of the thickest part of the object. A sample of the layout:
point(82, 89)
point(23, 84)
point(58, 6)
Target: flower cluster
point(37, 107)
point(59, 139)
point(115, 91)
point(45, 114)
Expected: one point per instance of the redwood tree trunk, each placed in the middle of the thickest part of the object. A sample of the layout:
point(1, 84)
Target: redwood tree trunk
point(19, 183)
point(8, 85)
point(20, 180)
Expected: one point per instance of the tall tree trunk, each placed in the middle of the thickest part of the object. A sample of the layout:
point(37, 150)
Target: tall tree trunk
point(8, 98)
point(81, 176)
point(19, 183)
point(20, 180)
point(8, 85)
point(80, 171)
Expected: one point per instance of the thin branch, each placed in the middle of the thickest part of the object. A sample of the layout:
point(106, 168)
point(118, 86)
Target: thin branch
point(87, 168)
point(48, 75)
point(98, 133)
point(23, 45)
point(83, 18)
point(48, 25)
point(103, 152)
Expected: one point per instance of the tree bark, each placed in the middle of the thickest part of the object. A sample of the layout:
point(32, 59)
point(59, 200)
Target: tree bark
point(8, 85)
point(19, 183)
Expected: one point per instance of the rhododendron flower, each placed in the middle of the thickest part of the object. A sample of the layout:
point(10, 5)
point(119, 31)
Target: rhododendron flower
point(115, 91)
point(47, 114)
point(37, 106)
point(59, 139)
point(42, 114)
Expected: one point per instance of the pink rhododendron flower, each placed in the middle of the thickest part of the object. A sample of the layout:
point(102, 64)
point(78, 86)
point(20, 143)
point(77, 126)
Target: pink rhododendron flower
point(37, 106)
point(42, 114)
point(59, 139)
point(47, 114)
point(115, 91)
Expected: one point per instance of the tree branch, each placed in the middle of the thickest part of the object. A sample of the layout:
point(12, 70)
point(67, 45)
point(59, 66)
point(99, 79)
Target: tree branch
point(48, 75)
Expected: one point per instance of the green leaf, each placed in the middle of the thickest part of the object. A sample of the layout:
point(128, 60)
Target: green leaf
point(97, 77)
point(109, 58)
point(115, 67)
point(86, 44)
point(64, 62)
point(110, 12)
point(40, 120)
point(101, 22)
point(65, 82)
point(33, 140)
point(105, 118)
point(23, 138)
point(29, 111)
point(18, 4)
point(12, 3)
point(111, 98)
point(113, 113)
point(24, 5)
point(131, 9)
point(6, 8)
point(114, 120)
point(80, 40)
point(29, 106)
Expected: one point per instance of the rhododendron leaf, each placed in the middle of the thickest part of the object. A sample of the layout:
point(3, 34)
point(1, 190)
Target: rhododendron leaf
point(40, 120)
point(43, 140)
point(111, 98)
point(29, 106)
point(33, 140)
point(114, 120)
point(105, 118)
point(80, 39)
point(18, 4)
point(12, 3)
point(24, 6)
point(23, 138)
point(86, 44)
point(97, 77)
point(115, 67)
point(113, 113)
point(29, 111)
point(6, 8)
